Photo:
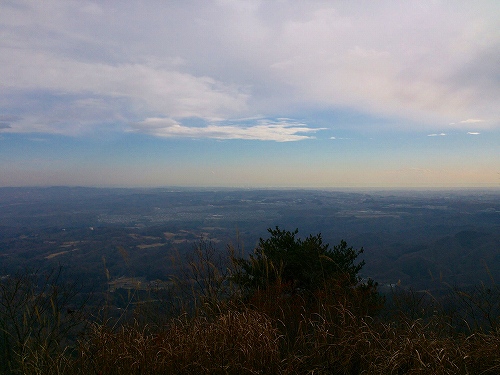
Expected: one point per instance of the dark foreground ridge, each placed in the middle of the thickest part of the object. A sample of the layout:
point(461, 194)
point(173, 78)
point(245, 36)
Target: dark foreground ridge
point(238, 315)
point(154, 281)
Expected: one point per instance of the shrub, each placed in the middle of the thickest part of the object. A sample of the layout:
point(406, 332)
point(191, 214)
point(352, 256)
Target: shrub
point(40, 318)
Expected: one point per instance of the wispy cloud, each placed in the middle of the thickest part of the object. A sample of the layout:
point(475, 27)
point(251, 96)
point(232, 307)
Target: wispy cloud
point(283, 130)
point(436, 135)
point(473, 133)
point(471, 121)
point(78, 92)
point(411, 170)
point(6, 121)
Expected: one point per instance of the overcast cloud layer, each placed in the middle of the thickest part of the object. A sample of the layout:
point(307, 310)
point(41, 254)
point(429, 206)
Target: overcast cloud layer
point(72, 67)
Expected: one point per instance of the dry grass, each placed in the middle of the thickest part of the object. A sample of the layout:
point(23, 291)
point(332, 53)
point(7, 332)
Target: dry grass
point(242, 340)
point(349, 344)
point(235, 342)
point(273, 331)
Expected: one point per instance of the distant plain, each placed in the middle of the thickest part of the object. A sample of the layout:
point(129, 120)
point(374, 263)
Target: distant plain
point(421, 239)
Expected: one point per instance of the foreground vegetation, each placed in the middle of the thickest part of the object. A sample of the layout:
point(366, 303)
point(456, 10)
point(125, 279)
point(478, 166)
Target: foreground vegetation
point(294, 307)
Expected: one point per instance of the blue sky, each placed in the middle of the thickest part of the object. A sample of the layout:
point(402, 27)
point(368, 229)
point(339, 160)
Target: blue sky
point(320, 94)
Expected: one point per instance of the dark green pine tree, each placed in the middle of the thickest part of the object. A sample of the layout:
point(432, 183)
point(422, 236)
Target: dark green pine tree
point(302, 264)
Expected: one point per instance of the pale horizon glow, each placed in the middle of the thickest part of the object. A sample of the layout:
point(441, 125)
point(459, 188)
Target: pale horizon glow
point(251, 93)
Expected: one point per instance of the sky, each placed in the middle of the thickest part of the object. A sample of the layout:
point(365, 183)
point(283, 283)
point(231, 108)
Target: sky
point(277, 93)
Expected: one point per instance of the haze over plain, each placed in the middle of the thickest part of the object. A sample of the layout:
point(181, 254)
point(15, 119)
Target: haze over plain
point(250, 93)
